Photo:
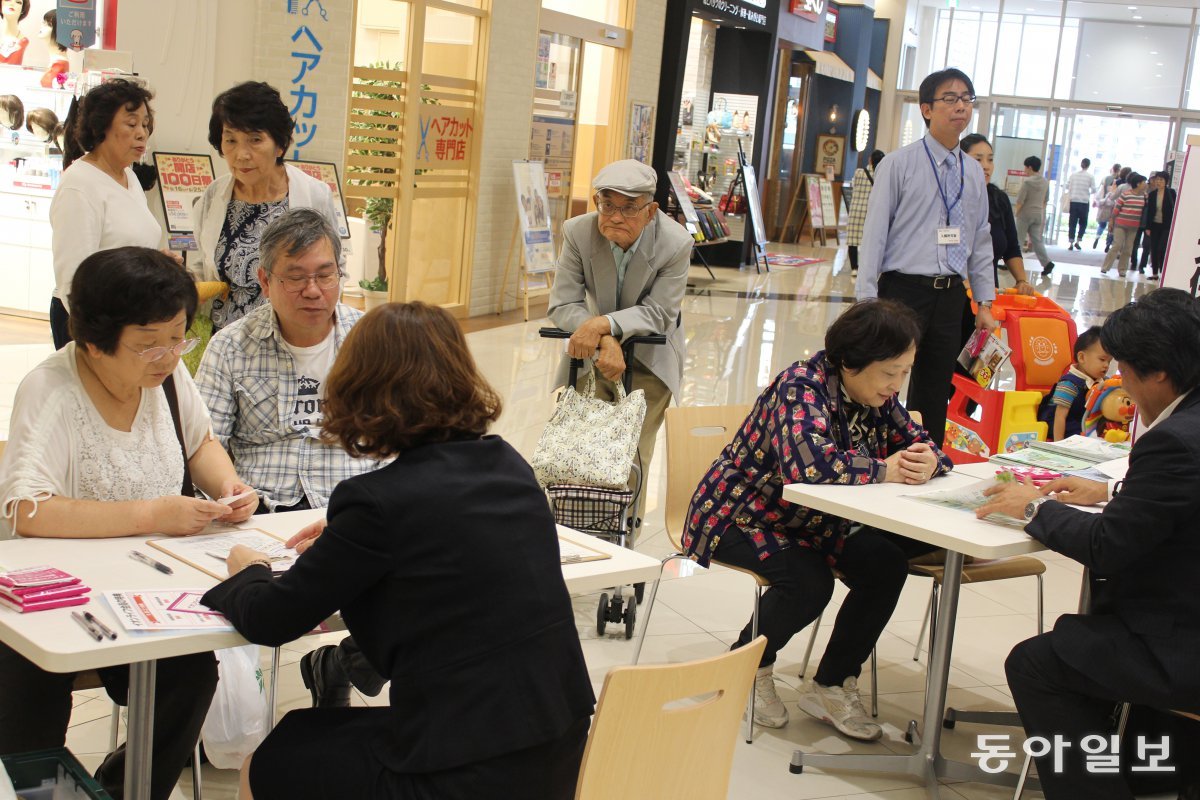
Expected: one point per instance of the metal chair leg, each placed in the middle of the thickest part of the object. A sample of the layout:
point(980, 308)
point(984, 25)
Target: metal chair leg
point(812, 639)
point(874, 683)
point(753, 636)
point(1041, 606)
point(924, 622)
point(274, 690)
point(197, 794)
point(113, 728)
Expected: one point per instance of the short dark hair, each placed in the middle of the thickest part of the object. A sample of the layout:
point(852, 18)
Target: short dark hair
point(404, 377)
point(1086, 340)
point(1034, 163)
point(1116, 167)
point(251, 106)
point(99, 107)
point(1087, 162)
point(876, 157)
point(1124, 173)
point(113, 289)
point(293, 232)
point(870, 331)
point(1135, 180)
point(935, 80)
point(1158, 333)
point(24, 10)
point(972, 139)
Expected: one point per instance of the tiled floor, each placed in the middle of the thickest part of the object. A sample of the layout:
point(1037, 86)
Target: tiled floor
point(742, 328)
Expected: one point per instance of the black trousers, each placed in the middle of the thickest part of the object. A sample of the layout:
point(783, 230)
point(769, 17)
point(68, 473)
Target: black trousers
point(1078, 216)
point(1159, 233)
point(875, 565)
point(58, 323)
point(1054, 698)
point(35, 710)
point(852, 251)
point(940, 312)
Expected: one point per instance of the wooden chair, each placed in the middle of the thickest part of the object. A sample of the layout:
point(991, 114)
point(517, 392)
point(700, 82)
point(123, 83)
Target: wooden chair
point(668, 730)
point(695, 436)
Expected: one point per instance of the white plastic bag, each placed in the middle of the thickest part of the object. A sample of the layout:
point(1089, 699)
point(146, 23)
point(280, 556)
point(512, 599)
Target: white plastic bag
point(6, 786)
point(237, 719)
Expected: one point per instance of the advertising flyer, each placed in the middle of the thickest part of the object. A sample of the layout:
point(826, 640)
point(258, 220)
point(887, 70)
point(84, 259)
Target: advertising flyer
point(327, 173)
point(182, 178)
point(533, 213)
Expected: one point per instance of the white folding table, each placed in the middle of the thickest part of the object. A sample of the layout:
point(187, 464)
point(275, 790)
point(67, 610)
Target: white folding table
point(885, 506)
point(54, 642)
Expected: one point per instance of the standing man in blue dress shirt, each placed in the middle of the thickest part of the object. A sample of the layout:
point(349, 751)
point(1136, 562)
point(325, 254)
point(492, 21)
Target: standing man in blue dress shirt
point(927, 233)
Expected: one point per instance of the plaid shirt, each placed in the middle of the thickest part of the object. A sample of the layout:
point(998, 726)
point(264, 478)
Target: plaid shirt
point(240, 378)
point(798, 432)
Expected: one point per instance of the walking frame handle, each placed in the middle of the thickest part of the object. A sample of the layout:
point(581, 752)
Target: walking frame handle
point(627, 345)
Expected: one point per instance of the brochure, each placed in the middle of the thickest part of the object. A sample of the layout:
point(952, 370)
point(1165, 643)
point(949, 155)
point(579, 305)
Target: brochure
point(1073, 454)
point(164, 610)
point(969, 498)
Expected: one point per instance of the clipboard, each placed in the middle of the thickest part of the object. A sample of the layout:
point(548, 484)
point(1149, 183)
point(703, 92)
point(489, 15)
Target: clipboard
point(574, 553)
point(194, 550)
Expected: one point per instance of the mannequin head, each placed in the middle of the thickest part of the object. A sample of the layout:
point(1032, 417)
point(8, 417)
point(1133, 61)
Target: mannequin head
point(49, 32)
point(12, 112)
point(18, 7)
point(42, 122)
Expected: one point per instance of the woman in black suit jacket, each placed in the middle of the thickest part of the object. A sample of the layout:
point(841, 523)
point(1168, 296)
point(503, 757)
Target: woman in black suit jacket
point(445, 566)
point(1159, 232)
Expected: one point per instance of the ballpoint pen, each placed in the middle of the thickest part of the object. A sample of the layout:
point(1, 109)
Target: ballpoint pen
point(83, 623)
point(150, 562)
point(100, 626)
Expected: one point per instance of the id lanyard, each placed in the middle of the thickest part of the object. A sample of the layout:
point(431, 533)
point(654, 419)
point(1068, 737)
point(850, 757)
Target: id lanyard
point(938, 179)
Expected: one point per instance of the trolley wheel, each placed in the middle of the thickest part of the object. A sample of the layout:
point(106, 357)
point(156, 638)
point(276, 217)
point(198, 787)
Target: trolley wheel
point(908, 737)
point(796, 769)
point(639, 590)
point(630, 618)
point(602, 614)
point(948, 724)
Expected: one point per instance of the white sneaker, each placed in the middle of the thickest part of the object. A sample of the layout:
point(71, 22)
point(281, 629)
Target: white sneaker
point(769, 710)
point(841, 707)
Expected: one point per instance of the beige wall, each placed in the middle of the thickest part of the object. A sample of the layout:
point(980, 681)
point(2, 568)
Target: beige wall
point(507, 111)
point(894, 12)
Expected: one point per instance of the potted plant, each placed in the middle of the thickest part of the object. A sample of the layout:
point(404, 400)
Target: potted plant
point(378, 214)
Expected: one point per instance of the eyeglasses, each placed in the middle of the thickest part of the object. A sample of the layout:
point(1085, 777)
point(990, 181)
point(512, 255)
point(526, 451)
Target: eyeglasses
point(952, 99)
point(628, 212)
point(298, 283)
point(152, 354)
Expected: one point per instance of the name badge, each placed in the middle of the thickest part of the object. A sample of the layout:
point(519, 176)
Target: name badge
point(949, 235)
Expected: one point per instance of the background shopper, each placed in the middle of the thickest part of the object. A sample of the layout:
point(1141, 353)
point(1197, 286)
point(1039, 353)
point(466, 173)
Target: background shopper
point(864, 181)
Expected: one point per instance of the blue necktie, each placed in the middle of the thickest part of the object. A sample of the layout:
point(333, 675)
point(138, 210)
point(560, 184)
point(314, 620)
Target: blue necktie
point(956, 254)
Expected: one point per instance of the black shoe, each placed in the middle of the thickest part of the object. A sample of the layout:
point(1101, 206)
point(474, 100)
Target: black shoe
point(1046, 270)
point(1095, 242)
point(324, 678)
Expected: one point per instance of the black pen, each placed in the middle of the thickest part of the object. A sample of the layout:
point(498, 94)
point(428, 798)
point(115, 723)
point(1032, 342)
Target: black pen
point(83, 623)
point(107, 631)
point(150, 562)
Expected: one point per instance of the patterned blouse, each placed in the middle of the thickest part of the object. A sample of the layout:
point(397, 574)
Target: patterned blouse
point(237, 258)
point(803, 429)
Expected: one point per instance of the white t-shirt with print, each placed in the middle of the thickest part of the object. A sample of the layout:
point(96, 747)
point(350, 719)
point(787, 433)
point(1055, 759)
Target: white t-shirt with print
point(312, 368)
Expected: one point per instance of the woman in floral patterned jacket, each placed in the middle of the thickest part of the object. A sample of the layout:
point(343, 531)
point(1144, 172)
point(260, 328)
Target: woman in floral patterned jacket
point(831, 419)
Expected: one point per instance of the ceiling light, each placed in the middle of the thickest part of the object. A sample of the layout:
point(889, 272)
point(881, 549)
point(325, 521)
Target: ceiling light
point(1132, 8)
point(1153, 52)
point(1135, 16)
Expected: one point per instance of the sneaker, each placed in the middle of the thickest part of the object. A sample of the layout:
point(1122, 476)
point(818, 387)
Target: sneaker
point(769, 710)
point(841, 707)
point(324, 678)
point(1046, 270)
point(1095, 242)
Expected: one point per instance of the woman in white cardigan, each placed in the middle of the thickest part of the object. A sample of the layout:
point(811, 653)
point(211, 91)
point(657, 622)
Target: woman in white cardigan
point(251, 128)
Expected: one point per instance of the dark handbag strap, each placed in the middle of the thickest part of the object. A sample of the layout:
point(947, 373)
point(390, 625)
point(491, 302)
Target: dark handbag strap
point(870, 176)
point(188, 489)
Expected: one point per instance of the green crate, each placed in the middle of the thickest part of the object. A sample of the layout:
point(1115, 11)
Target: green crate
point(52, 775)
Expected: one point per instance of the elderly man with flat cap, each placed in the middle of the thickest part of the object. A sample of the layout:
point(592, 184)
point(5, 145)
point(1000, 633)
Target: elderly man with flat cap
point(622, 272)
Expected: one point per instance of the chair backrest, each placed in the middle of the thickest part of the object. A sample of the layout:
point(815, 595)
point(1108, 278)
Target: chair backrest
point(695, 436)
point(668, 730)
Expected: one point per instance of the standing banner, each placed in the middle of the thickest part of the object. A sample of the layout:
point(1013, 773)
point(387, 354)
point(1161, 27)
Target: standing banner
point(533, 212)
point(76, 23)
point(1181, 269)
point(813, 186)
point(828, 207)
point(182, 179)
point(327, 173)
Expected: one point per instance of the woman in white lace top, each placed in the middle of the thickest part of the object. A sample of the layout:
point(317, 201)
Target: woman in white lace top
point(96, 450)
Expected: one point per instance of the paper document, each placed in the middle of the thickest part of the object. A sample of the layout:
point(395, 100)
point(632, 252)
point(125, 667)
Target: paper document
point(207, 551)
point(164, 610)
point(571, 553)
point(969, 498)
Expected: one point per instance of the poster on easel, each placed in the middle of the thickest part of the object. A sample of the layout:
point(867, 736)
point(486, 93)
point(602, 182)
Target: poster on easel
point(182, 179)
point(816, 216)
point(533, 211)
point(828, 207)
point(326, 173)
point(690, 217)
point(756, 213)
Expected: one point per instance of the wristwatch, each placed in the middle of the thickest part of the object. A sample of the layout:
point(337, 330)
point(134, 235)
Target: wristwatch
point(1031, 508)
point(985, 304)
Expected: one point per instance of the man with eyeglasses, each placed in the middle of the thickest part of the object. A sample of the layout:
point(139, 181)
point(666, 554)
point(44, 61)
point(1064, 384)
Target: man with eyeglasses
point(263, 380)
point(622, 272)
point(926, 235)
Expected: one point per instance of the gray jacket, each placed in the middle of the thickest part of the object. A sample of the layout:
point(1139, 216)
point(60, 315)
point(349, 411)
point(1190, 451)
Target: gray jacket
point(585, 286)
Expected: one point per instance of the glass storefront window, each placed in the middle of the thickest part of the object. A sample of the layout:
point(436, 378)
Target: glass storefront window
point(610, 12)
point(1025, 53)
point(382, 35)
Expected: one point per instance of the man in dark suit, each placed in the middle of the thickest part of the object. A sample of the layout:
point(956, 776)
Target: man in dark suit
point(1141, 641)
point(1156, 221)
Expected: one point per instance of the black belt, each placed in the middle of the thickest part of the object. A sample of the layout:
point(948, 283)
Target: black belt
point(929, 281)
